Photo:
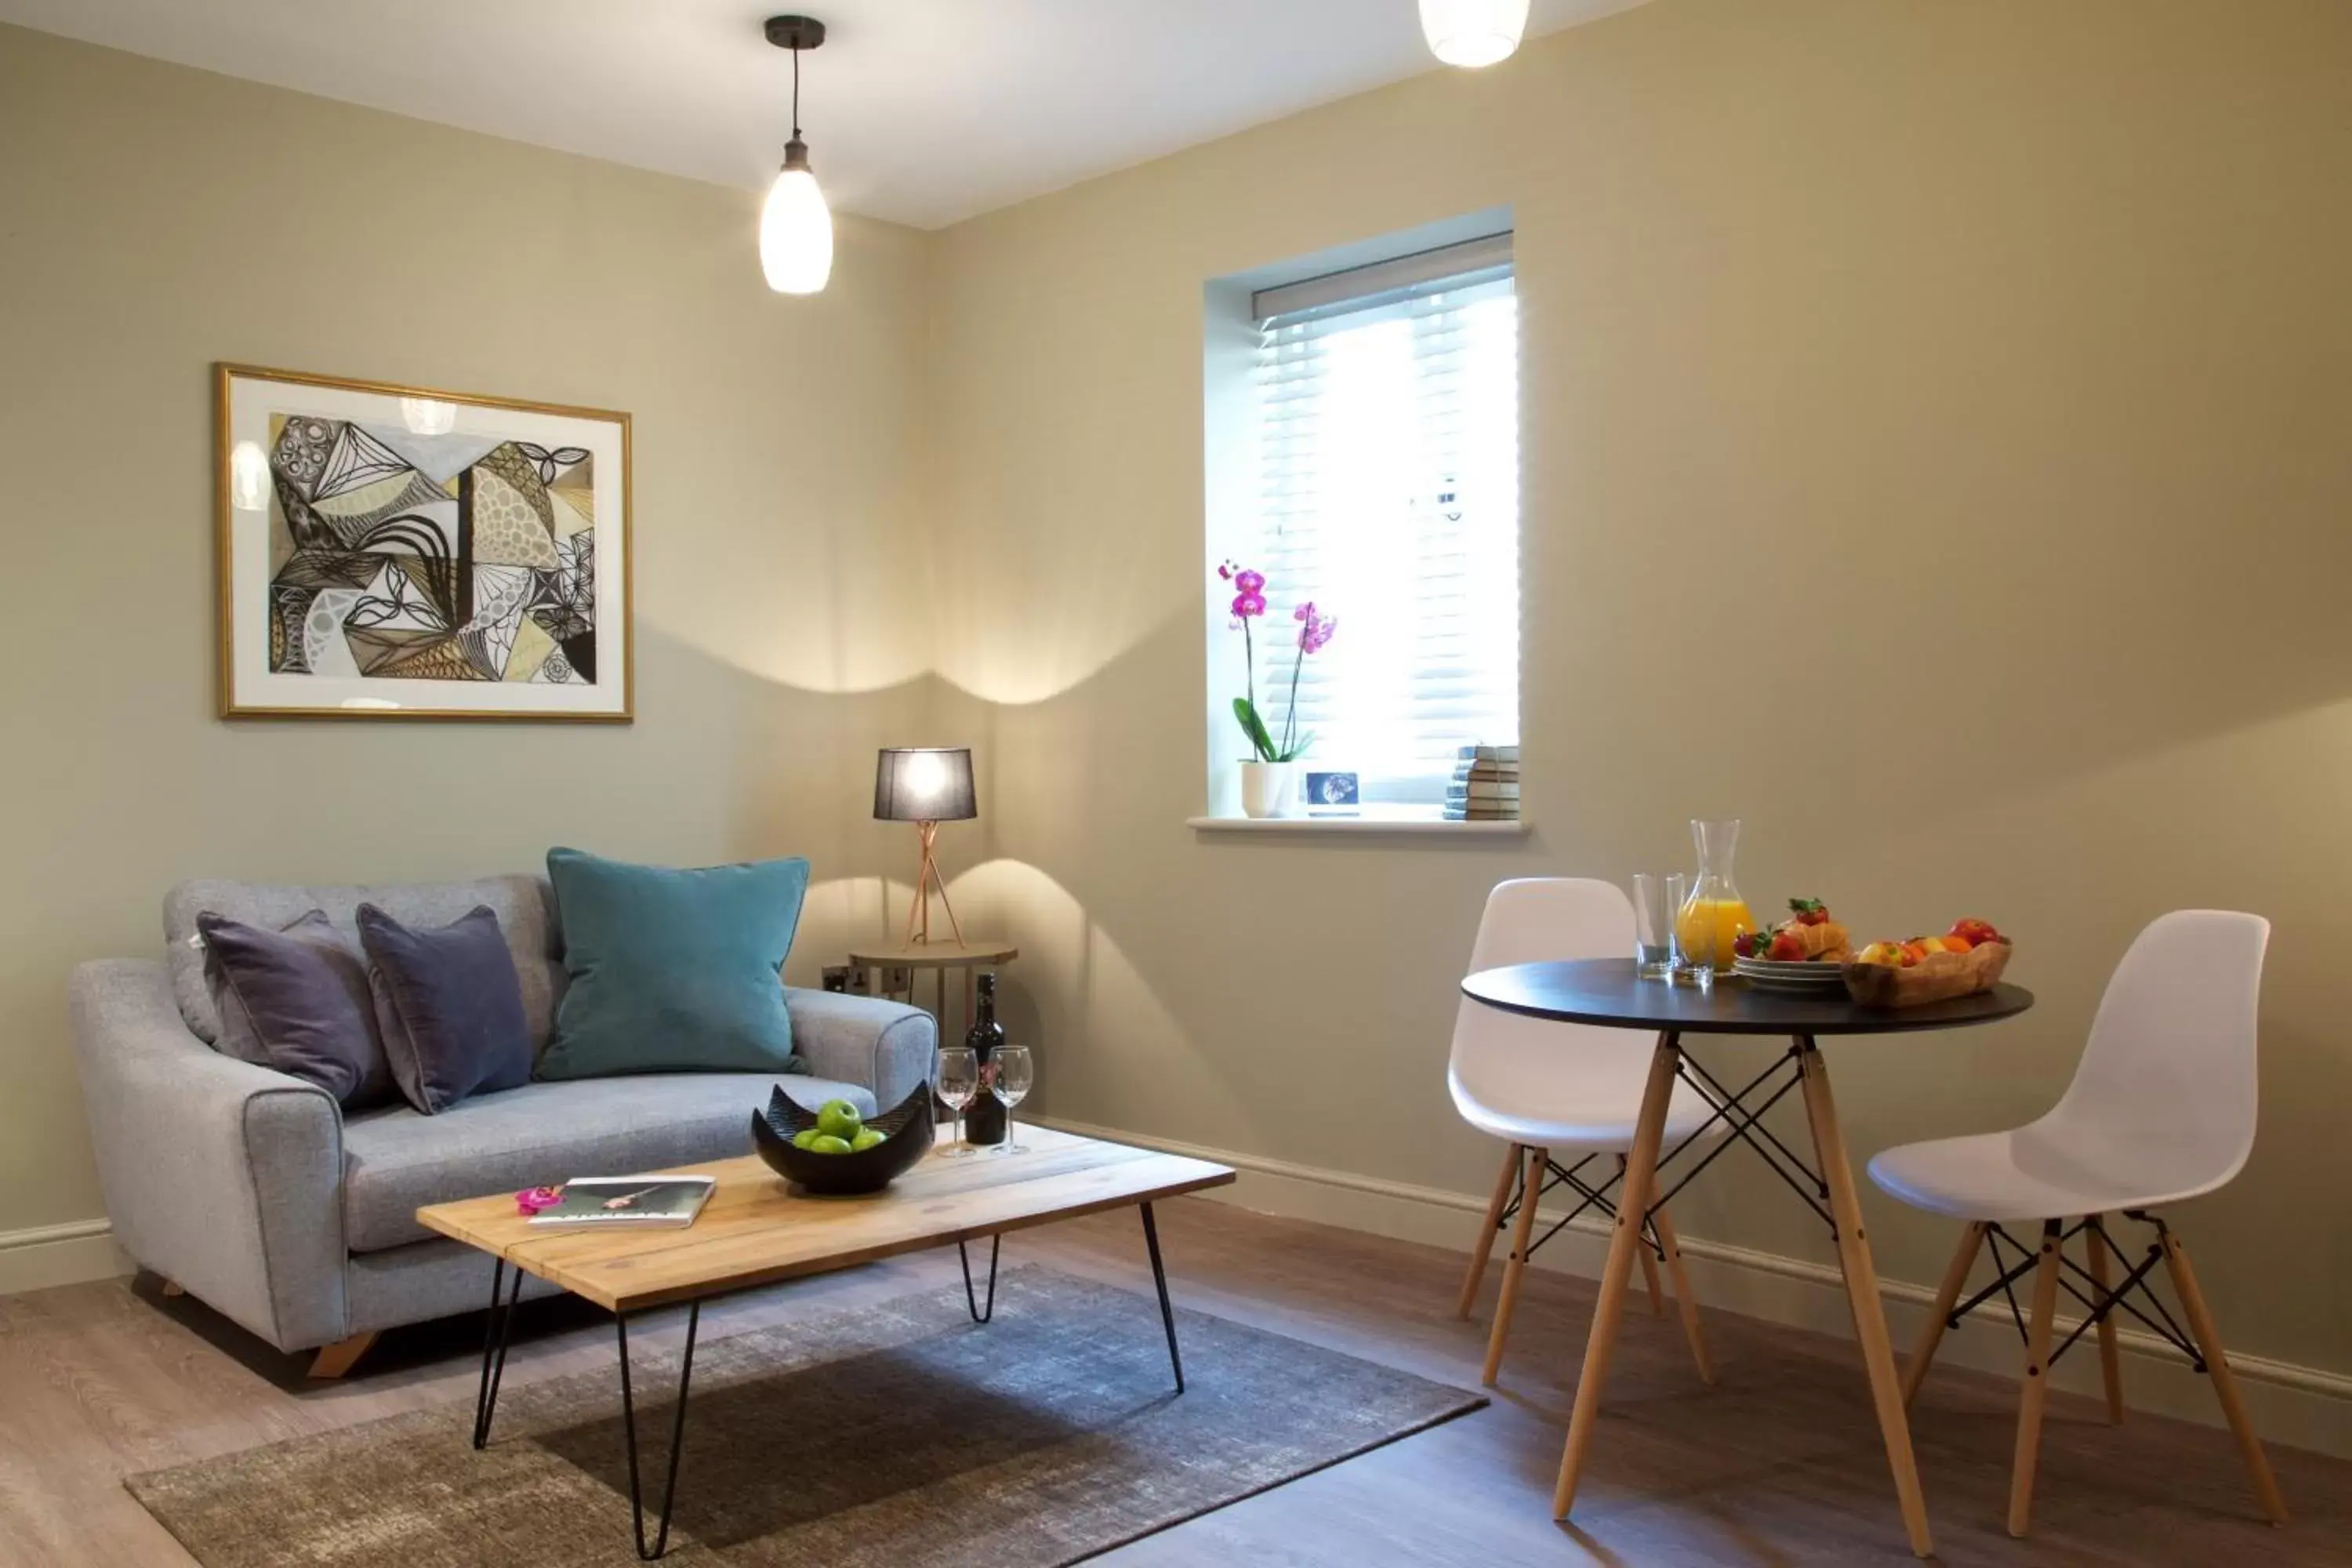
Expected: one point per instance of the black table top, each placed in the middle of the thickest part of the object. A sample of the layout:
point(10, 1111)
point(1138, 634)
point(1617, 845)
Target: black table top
point(1607, 991)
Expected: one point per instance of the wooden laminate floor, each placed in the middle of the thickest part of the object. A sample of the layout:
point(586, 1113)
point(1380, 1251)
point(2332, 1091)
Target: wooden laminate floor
point(1778, 1465)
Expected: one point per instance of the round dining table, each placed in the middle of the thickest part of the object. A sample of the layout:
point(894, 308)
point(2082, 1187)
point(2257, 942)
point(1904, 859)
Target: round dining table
point(1610, 993)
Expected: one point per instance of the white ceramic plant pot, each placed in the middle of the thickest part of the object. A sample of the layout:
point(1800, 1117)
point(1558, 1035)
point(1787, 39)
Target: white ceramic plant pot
point(1269, 789)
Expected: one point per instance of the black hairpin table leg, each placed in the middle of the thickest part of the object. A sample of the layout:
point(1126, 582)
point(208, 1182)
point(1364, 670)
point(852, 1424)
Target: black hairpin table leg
point(1159, 1279)
point(677, 1437)
point(969, 1300)
point(493, 1350)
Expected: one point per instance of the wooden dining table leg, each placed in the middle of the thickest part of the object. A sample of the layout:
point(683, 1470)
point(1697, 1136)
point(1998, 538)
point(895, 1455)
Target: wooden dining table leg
point(1649, 1262)
point(1624, 1241)
point(1862, 1293)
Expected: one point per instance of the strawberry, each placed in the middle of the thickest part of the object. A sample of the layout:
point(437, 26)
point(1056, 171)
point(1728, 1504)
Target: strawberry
point(1810, 911)
point(1787, 947)
point(1744, 944)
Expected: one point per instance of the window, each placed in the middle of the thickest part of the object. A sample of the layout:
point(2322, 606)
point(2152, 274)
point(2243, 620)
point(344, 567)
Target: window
point(1385, 411)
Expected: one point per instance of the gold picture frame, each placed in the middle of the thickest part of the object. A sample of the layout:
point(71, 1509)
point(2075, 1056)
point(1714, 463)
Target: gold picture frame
point(393, 551)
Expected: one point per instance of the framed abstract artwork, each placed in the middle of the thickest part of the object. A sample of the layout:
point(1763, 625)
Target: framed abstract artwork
point(396, 552)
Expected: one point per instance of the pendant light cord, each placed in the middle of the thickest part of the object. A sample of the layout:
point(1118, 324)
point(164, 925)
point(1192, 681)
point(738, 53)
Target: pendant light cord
point(796, 92)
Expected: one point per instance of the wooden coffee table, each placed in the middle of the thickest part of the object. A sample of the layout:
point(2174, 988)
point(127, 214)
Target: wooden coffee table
point(756, 1230)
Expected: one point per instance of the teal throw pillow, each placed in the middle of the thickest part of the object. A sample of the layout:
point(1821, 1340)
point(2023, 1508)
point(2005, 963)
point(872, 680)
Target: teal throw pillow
point(673, 971)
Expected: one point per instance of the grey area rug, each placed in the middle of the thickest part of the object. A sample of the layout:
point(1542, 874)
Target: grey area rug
point(894, 1435)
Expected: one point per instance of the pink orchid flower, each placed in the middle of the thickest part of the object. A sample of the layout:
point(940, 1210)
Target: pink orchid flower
point(1246, 604)
point(1314, 628)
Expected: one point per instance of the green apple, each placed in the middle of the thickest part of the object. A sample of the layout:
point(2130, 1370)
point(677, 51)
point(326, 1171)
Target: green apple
point(865, 1137)
point(826, 1143)
point(839, 1119)
point(805, 1137)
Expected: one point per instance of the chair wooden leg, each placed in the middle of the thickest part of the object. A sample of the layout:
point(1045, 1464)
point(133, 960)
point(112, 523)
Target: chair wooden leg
point(1649, 1266)
point(1862, 1296)
point(1948, 1295)
point(2225, 1382)
point(1532, 1166)
point(2034, 1388)
point(1686, 1302)
point(1486, 1246)
point(333, 1361)
point(2111, 1366)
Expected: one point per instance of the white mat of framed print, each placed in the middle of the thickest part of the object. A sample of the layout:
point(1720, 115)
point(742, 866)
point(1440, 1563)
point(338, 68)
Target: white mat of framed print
point(394, 553)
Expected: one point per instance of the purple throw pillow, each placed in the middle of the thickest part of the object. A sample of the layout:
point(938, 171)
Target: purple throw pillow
point(450, 1006)
point(297, 1000)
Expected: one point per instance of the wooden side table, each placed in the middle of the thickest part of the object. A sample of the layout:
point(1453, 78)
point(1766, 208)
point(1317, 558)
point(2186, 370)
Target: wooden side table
point(939, 957)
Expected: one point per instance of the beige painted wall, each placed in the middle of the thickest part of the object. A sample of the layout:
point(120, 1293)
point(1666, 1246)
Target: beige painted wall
point(1990, 363)
point(154, 219)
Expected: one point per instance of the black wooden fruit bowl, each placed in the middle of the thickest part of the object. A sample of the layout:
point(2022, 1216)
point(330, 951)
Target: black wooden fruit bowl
point(905, 1129)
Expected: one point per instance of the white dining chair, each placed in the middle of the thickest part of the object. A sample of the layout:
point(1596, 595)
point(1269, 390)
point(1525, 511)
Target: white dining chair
point(1559, 1095)
point(2161, 1109)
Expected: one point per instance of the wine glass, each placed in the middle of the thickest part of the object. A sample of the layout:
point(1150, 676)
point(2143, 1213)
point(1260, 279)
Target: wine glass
point(955, 1077)
point(1014, 1072)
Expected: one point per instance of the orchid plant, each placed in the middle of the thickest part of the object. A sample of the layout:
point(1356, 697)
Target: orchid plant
point(1315, 629)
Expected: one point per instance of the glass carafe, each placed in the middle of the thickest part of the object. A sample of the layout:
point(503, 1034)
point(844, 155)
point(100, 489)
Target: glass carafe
point(1714, 916)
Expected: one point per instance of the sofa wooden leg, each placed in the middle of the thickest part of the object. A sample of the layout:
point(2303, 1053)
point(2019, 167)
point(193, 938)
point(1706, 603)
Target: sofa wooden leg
point(333, 1361)
point(173, 1288)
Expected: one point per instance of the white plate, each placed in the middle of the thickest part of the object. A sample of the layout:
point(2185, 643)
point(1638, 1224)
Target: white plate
point(1788, 972)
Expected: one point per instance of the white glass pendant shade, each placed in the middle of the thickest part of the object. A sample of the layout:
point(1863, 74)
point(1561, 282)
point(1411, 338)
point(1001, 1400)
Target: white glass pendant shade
point(1473, 32)
point(796, 229)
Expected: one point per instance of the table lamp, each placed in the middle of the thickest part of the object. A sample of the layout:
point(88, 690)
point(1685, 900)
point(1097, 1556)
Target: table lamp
point(926, 785)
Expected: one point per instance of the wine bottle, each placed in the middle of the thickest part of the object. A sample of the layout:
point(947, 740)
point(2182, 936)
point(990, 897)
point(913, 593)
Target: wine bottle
point(983, 1119)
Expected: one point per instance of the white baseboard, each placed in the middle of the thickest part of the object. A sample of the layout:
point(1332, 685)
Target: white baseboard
point(59, 1254)
point(2301, 1406)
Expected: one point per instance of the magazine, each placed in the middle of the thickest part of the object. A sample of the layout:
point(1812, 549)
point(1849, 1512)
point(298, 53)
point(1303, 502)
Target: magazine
point(629, 1200)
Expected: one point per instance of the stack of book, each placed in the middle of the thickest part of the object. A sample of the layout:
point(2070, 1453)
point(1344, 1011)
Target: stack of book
point(1485, 786)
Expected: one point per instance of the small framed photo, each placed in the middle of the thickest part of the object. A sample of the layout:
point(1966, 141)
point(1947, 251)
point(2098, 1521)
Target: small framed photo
point(1332, 795)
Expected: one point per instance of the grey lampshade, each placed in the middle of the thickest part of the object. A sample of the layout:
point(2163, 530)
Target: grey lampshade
point(924, 784)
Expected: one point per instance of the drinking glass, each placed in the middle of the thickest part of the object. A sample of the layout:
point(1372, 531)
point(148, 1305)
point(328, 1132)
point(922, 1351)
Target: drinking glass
point(1656, 901)
point(955, 1077)
point(1013, 1073)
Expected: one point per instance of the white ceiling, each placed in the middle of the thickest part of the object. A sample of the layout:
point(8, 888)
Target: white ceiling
point(924, 111)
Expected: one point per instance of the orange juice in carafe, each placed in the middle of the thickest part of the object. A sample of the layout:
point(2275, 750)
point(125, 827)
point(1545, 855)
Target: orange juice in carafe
point(1713, 917)
point(1706, 927)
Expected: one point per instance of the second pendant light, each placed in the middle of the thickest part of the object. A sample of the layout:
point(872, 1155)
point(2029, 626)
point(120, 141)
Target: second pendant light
point(796, 227)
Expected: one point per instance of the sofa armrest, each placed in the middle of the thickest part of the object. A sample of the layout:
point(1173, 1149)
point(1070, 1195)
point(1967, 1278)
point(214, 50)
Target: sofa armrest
point(885, 1046)
point(221, 1176)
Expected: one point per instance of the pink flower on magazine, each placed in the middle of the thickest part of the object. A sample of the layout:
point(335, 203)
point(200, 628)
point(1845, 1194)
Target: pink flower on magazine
point(531, 1200)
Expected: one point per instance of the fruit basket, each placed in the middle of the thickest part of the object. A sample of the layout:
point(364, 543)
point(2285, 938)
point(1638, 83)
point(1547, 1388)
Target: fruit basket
point(906, 1129)
point(1935, 977)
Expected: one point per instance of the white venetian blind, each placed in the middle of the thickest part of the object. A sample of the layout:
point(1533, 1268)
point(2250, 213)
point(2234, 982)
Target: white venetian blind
point(1387, 444)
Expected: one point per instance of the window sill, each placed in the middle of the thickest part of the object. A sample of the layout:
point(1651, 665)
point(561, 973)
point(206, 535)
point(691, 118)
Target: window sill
point(1375, 826)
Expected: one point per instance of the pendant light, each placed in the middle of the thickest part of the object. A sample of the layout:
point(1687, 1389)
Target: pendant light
point(795, 227)
point(1473, 32)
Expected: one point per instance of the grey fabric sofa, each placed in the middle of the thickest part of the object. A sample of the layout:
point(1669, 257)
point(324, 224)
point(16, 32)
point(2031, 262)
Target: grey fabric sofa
point(256, 1194)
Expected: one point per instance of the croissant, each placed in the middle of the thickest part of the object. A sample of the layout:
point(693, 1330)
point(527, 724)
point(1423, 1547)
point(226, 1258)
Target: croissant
point(1825, 940)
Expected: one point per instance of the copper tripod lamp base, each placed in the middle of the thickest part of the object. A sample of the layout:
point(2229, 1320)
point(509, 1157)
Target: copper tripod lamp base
point(918, 914)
